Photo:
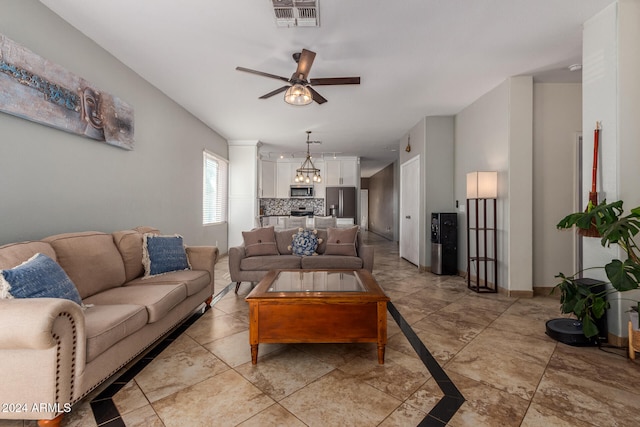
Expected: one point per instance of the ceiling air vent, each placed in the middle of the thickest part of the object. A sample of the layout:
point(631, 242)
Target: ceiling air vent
point(296, 13)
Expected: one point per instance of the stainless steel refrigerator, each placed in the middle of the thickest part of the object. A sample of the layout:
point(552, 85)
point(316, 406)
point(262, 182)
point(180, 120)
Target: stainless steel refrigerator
point(341, 202)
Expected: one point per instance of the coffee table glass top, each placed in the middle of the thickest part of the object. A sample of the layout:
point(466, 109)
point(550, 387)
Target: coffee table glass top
point(316, 281)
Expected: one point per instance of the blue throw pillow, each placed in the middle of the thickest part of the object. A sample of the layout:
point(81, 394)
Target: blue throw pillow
point(39, 277)
point(162, 254)
point(305, 243)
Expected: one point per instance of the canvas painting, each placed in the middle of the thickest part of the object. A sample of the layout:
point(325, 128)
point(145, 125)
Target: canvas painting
point(36, 89)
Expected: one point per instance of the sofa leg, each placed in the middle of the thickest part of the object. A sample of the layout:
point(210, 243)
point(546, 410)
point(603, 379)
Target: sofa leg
point(208, 301)
point(237, 286)
point(51, 423)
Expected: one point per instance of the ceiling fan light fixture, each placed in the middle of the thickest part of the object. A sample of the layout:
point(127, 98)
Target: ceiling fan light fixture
point(298, 95)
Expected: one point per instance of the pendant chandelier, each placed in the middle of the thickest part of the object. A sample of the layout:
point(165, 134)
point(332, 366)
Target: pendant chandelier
point(308, 172)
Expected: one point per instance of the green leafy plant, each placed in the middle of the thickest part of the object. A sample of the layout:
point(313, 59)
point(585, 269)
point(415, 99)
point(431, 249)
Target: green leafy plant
point(624, 275)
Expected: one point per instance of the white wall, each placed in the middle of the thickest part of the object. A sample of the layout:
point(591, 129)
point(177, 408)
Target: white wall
point(557, 121)
point(243, 185)
point(611, 94)
point(629, 102)
point(628, 127)
point(55, 182)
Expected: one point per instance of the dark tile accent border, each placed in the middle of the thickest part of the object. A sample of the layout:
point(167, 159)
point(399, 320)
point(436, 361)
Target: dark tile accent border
point(453, 399)
point(106, 414)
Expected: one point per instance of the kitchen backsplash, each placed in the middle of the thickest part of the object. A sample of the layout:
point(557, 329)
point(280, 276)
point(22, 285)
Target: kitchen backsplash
point(283, 207)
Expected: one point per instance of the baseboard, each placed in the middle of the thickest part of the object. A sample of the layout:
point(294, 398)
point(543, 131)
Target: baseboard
point(617, 341)
point(486, 286)
point(545, 291)
point(516, 294)
point(503, 291)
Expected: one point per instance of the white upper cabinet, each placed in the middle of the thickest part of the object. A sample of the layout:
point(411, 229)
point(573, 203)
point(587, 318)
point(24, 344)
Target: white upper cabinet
point(277, 177)
point(286, 172)
point(267, 185)
point(343, 172)
point(319, 187)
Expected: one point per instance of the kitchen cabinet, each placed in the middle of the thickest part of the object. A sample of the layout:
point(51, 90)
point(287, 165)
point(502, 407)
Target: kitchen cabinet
point(342, 172)
point(268, 179)
point(319, 187)
point(277, 177)
point(286, 172)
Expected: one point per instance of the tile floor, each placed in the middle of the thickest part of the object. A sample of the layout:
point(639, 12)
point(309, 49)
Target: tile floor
point(492, 347)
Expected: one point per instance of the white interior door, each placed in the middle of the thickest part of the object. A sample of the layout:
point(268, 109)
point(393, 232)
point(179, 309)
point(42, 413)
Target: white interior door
point(410, 210)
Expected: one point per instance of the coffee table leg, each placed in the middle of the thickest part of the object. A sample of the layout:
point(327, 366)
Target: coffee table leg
point(381, 354)
point(382, 330)
point(254, 354)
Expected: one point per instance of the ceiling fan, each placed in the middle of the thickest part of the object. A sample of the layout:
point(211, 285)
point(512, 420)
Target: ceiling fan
point(299, 90)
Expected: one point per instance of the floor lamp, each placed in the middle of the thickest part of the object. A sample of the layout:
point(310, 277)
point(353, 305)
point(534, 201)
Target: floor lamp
point(482, 188)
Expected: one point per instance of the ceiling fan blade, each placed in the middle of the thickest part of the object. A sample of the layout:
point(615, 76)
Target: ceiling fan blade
point(335, 81)
point(304, 64)
point(274, 92)
point(316, 96)
point(260, 73)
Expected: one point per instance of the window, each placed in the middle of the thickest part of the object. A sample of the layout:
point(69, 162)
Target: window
point(214, 189)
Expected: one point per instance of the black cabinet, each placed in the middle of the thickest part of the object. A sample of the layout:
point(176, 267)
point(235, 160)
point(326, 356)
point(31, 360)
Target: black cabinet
point(444, 243)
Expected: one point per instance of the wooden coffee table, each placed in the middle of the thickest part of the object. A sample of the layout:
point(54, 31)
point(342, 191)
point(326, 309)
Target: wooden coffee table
point(312, 306)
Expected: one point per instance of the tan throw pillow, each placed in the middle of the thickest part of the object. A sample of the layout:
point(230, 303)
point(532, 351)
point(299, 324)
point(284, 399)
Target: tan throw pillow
point(341, 241)
point(322, 244)
point(260, 241)
point(283, 240)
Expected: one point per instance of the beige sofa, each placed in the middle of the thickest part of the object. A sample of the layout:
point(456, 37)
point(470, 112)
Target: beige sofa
point(243, 268)
point(53, 351)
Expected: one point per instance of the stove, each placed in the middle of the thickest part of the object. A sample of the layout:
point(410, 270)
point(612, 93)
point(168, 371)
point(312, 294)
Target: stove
point(301, 211)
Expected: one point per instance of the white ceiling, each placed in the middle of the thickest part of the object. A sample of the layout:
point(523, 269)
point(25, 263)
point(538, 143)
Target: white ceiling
point(415, 58)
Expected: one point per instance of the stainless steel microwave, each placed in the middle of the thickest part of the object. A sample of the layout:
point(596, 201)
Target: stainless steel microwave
point(301, 191)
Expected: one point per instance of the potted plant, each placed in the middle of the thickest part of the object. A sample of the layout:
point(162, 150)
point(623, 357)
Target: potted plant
point(624, 275)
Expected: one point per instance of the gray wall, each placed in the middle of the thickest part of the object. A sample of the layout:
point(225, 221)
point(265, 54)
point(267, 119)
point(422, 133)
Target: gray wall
point(494, 134)
point(432, 138)
point(557, 122)
point(439, 177)
point(55, 182)
point(381, 202)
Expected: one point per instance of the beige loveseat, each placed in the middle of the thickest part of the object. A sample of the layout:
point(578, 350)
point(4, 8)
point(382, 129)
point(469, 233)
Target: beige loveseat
point(243, 268)
point(53, 351)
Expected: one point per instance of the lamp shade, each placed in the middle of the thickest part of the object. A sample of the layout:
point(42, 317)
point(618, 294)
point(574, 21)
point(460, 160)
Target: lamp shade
point(298, 95)
point(482, 185)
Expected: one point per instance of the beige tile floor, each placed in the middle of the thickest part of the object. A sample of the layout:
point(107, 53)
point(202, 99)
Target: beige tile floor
point(492, 347)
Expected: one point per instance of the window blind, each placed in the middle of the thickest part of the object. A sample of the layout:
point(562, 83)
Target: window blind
point(214, 189)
